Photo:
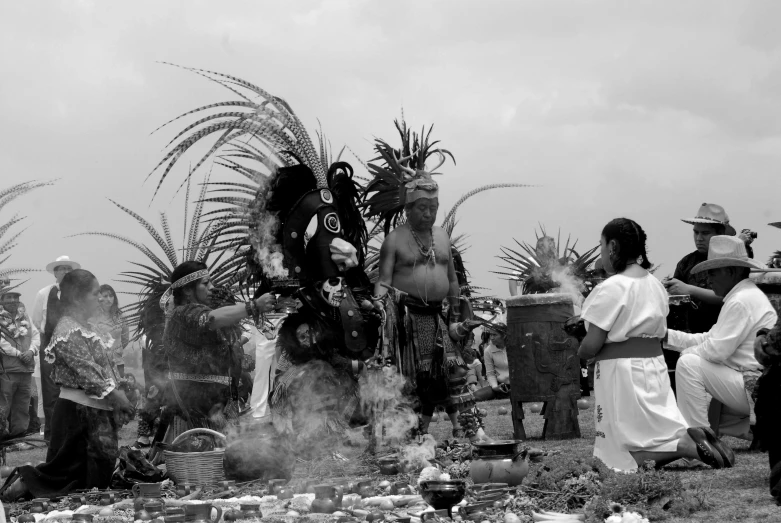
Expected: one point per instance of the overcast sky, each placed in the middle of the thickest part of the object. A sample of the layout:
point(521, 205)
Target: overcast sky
point(643, 109)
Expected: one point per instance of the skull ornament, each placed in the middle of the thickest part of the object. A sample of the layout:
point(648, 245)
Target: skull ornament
point(332, 291)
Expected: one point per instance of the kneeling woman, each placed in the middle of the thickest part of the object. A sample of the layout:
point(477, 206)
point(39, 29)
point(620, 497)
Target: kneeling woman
point(84, 445)
point(637, 418)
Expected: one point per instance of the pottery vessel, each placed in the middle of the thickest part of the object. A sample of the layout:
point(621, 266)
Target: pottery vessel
point(442, 494)
point(154, 509)
point(40, 505)
point(499, 462)
point(145, 492)
point(184, 489)
point(363, 487)
point(251, 510)
point(201, 513)
point(389, 466)
point(108, 498)
point(324, 502)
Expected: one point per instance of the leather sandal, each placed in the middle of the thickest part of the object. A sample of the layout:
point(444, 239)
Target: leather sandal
point(727, 454)
point(707, 452)
point(13, 489)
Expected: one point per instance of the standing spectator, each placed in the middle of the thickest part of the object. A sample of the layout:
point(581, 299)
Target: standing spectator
point(109, 321)
point(45, 323)
point(18, 359)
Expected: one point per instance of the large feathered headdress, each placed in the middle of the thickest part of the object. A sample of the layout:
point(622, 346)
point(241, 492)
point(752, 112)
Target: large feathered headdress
point(262, 139)
point(402, 176)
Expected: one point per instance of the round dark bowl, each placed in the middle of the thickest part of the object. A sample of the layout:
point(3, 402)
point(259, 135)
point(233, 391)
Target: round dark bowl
point(442, 494)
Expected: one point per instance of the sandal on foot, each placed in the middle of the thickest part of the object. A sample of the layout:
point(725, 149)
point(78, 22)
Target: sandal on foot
point(707, 452)
point(13, 488)
point(727, 454)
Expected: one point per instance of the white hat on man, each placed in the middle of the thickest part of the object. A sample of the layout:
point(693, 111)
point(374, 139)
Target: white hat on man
point(62, 260)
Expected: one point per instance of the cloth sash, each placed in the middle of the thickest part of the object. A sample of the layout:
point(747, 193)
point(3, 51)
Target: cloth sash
point(631, 348)
point(427, 338)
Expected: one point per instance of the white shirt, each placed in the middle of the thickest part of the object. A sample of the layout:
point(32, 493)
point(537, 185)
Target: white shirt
point(9, 349)
point(628, 307)
point(730, 342)
point(38, 315)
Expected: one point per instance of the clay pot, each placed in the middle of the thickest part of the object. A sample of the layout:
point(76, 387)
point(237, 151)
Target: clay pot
point(498, 462)
point(389, 466)
point(184, 489)
point(325, 500)
point(251, 510)
point(154, 509)
point(201, 512)
point(40, 505)
point(108, 498)
point(145, 492)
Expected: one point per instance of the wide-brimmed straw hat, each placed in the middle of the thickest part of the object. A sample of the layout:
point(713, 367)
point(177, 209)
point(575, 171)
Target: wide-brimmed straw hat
point(727, 251)
point(62, 260)
point(712, 214)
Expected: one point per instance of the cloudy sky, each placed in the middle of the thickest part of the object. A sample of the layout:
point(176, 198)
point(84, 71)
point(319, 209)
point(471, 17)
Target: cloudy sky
point(642, 109)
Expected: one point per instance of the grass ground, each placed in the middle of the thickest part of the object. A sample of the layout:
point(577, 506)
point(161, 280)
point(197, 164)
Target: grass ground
point(737, 494)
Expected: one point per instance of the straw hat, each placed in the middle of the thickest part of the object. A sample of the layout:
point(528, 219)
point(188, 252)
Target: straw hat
point(712, 214)
point(727, 251)
point(62, 260)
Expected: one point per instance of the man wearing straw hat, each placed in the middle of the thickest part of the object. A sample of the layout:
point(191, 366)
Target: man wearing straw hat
point(720, 363)
point(45, 324)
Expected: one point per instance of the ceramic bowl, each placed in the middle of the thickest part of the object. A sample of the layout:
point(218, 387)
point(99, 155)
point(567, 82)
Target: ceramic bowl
point(442, 494)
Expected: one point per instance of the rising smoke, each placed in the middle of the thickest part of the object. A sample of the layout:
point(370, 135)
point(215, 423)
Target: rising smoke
point(263, 235)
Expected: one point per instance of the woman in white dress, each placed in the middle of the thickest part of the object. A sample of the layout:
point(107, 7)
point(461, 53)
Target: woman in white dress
point(636, 416)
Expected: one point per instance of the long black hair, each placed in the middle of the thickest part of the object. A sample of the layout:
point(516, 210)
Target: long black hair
point(630, 242)
point(73, 287)
point(114, 312)
point(182, 270)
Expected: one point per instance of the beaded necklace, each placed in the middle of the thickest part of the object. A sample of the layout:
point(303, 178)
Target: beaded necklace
point(428, 253)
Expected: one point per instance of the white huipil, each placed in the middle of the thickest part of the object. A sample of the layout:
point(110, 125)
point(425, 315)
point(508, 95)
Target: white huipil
point(635, 406)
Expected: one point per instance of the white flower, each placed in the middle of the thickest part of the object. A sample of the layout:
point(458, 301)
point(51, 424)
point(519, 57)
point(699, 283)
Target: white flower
point(23, 331)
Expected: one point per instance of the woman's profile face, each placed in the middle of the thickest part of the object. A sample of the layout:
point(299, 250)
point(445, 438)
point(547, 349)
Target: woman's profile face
point(90, 301)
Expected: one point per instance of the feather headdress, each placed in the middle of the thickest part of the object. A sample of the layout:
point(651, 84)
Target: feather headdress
point(402, 176)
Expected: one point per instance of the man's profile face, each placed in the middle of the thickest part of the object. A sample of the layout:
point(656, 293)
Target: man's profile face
point(60, 271)
point(721, 280)
point(702, 235)
point(423, 213)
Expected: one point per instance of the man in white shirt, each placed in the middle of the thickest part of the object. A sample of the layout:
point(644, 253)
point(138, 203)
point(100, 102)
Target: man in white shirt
point(45, 325)
point(719, 363)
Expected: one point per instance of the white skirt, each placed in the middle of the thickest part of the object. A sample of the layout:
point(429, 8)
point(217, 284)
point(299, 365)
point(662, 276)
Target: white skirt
point(635, 410)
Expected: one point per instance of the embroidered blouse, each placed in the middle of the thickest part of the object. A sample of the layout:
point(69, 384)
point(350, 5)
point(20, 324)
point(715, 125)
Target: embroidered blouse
point(193, 347)
point(81, 359)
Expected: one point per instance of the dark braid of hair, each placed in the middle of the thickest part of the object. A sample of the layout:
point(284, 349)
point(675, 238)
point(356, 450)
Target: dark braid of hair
point(630, 242)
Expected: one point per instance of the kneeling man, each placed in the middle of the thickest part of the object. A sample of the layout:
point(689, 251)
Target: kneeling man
point(718, 363)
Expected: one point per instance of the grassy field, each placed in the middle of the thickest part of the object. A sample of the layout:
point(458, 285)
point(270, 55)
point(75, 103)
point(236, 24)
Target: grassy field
point(737, 494)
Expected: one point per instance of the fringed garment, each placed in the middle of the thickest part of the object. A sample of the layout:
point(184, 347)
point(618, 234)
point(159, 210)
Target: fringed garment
point(417, 334)
point(200, 362)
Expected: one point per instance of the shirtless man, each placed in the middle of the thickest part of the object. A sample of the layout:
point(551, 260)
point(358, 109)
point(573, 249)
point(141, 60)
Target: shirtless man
point(416, 259)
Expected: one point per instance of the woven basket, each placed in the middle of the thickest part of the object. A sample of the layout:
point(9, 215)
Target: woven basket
point(197, 468)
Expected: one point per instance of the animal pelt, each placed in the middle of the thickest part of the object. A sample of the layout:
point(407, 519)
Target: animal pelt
point(323, 338)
